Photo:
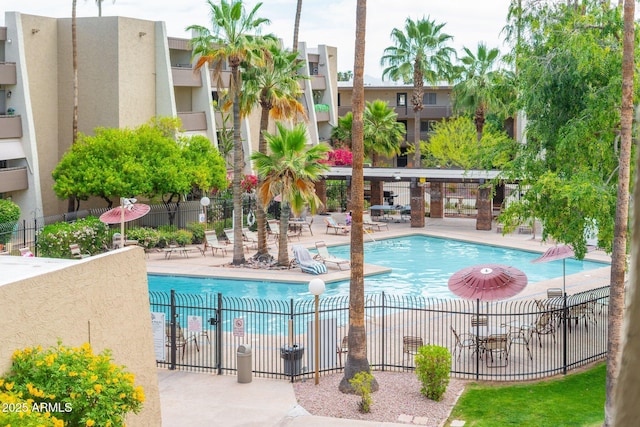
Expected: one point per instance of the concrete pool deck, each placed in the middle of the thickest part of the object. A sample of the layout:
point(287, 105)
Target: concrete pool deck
point(191, 399)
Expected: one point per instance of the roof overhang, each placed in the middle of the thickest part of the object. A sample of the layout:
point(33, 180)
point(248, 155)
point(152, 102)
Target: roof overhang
point(407, 174)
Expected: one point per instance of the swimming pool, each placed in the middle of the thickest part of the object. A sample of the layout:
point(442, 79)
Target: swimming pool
point(421, 267)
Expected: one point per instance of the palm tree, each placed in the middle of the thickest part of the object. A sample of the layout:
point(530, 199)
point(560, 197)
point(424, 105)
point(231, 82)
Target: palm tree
point(230, 40)
point(342, 132)
point(476, 92)
point(274, 84)
point(619, 253)
point(357, 356)
point(99, 3)
point(296, 26)
point(419, 54)
point(289, 171)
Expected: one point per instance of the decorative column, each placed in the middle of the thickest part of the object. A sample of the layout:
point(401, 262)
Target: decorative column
point(321, 192)
point(485, 208)
point(437, 200)
point(377, 193)
point(417, 204)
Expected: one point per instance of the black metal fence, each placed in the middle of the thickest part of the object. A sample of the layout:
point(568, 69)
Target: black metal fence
point(510, 340)
point(220, 211)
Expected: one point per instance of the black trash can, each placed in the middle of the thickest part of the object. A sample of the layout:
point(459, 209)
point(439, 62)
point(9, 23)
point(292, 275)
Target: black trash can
point(292, 357)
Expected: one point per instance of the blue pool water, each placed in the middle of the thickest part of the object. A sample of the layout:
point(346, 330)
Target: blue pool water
point(421, 267)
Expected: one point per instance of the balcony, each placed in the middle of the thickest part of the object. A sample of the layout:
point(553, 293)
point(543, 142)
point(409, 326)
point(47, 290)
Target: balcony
point(184, 76)
point(7, 73)
point(193, 121)
point(13, 179)
point(435, 112)
point(10, 126)
point(318, 83)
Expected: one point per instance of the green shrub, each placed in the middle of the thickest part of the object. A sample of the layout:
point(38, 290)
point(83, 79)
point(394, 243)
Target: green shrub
point(197, 230)
point(433, 364)
point(146, 237)
point(361, 383)
point(183, 237)
point(9, 215)
point(89, 389)
point(89, 233)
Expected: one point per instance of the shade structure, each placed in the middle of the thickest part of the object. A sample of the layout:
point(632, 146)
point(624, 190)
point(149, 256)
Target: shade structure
point(131, 212)
point(487, 282)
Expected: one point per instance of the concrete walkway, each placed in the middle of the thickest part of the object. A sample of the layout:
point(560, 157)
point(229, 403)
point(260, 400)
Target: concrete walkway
point(191, 399)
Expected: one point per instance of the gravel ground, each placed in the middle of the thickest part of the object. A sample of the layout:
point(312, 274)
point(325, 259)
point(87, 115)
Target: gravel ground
point(398, 400)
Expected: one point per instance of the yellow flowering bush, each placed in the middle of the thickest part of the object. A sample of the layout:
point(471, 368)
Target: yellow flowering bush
point(73, 385)
point(17, 412)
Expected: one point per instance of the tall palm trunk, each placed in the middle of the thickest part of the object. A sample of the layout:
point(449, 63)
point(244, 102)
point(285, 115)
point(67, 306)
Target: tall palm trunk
point(296, 27)
point(238, 166)
point(261, 215)
point(283, 243)
point(416, 101)
point(619, 253)
point(357, 356)
point(74, 48)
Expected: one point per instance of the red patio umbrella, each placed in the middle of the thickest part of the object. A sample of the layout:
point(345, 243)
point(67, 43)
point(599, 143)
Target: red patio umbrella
point(128, 211)
point(555, 253)
point(487, 282)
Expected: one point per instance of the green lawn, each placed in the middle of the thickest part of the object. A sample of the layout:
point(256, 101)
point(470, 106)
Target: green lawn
point(575, 400)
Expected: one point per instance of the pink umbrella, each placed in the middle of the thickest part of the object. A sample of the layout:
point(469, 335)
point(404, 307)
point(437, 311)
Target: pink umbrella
point(487, 282)
point(555, 253)
point(128, 211)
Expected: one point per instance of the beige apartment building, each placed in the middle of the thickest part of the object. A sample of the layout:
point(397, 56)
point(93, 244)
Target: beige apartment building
point(437, 107)
point(129, 71)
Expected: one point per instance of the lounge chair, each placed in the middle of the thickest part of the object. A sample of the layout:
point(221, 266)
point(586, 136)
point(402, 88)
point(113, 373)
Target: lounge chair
point(275, 230)
point(211, 242)
point(333, 225)
point(228, 232)
point(326, 257)
point(367, 222)
point(306, 263)
point(76, 252)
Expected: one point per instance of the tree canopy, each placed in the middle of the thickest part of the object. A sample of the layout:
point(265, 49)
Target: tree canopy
point(145, 161)
point(569, 71)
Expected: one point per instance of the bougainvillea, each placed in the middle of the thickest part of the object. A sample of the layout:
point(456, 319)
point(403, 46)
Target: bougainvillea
point(249, 183)
point(339, 157)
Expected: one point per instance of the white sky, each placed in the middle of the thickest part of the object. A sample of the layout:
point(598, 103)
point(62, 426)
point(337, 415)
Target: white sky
point(329, 22)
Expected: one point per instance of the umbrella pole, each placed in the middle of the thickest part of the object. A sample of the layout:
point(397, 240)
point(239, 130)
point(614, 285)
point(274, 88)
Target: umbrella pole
point(121, 222)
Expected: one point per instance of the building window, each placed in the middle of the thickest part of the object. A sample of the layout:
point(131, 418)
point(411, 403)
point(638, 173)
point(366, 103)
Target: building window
point(313, 68)
point(427, 125)
point(429, 98)
point(401, 99)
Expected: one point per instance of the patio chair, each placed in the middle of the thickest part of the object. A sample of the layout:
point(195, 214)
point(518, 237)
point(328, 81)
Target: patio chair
point(498, 345)
point(228, 233)
point(211, 242)
point(326, 257)
point(181, 340)
point(544, 325)
point(367, 222)
point(583, 310)
point(76, 252)
point(342, 348)
point(410, 345)
point(275, 230)
point(306, 263)
point(333, 225)
point(521, 336)
point(554, 293)
point(463, 341)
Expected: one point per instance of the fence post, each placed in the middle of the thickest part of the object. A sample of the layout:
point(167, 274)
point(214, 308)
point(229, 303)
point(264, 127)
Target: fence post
point(564, 333)
point(292, 330)
point(478, 342)
point(35, 235)
point(173, 330)
point(384, 329)
point(218, 343)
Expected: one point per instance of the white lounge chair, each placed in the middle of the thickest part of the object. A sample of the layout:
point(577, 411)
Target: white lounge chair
point(306, 263)
point(326, 257)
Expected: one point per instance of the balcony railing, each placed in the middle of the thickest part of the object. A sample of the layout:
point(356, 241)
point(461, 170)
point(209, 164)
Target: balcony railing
point(13, 179)
point(193, 121)
point(185, 76)
point(10, 126)
point(7, 73)
point(433, 112)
